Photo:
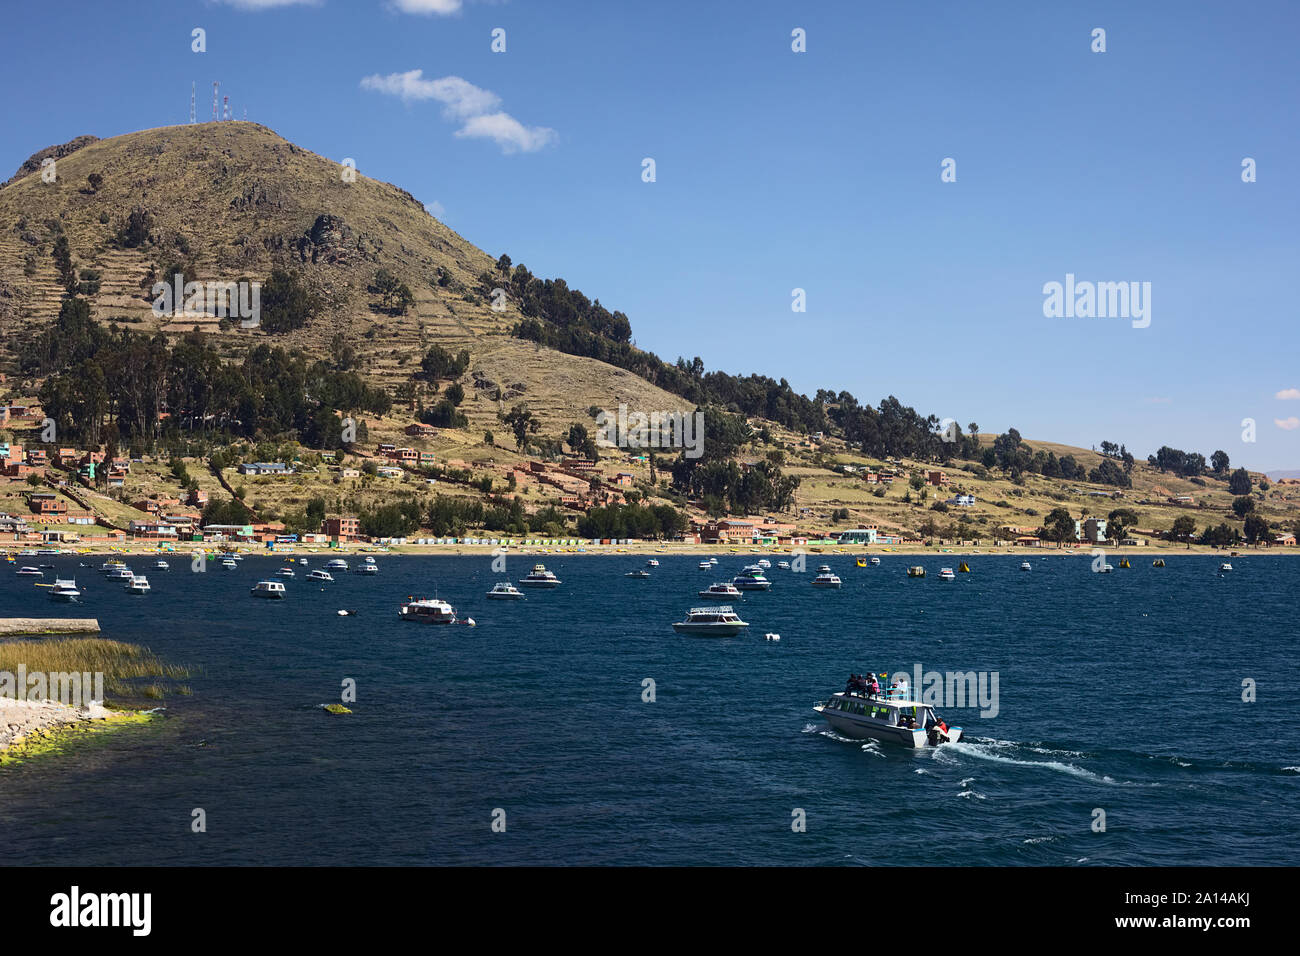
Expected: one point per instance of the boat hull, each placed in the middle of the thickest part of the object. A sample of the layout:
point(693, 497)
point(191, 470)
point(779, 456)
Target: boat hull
point(864, 728)
point(710, 630)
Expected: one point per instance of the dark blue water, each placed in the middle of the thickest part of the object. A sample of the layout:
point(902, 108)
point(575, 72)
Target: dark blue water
point(1118, 692)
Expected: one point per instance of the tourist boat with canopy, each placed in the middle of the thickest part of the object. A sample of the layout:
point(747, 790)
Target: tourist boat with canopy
point(893, 717)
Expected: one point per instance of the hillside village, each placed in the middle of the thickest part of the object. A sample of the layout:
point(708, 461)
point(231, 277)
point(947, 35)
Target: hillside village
point(52, 494)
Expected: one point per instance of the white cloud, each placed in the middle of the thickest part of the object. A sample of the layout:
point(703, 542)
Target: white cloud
point(460, 97)
point(442, 8)
point(1288, 393)
point(507, 132)
point(1287, 424)
point(268, 4)
point(474, 107)
point(435, 209)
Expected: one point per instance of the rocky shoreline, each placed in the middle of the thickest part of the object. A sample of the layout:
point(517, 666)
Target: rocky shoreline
point(20, 719)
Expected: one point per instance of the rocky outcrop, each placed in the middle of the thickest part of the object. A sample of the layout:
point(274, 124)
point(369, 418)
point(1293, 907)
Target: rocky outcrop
point(328, 240)
point(33, 163)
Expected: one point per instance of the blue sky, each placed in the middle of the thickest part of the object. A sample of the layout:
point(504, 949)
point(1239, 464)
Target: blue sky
point(779, 170)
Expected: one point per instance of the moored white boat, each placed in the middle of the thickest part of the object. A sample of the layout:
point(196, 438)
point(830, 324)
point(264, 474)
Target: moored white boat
point(1225, 566)
point(947, 574)
point(752, 579)
point(138, 584)
point(505, 591)
point(825, 579)
point(268, 589)
point(319, 575)
point(427, 611)
point(64, 590)
point(539, 577)
point(719, 621)
point(337, 564)
point(722, 591)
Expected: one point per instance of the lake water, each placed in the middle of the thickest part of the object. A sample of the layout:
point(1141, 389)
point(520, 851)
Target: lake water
point(1119, 692)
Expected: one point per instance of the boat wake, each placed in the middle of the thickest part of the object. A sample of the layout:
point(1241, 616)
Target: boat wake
point(1000, 752)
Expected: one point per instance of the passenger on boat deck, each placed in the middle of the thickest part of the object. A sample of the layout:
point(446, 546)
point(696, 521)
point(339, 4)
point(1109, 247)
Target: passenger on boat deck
point(873, 686)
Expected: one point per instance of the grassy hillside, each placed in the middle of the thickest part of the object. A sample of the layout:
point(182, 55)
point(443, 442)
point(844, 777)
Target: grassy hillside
point(235, 200)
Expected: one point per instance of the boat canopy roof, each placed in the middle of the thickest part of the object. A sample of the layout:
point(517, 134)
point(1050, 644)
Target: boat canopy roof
point(895, 703)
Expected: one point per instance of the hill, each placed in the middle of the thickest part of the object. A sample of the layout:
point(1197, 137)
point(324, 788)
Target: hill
point(231, 200)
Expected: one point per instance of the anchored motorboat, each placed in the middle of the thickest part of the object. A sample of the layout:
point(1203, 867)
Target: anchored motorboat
point(724, 591)
point(825, 579)
point(714, 621)
point(138, 584)
point(505, 591)
point(1225, 566)
point(286, 572)
point(319, 575)
point(539, 577)
point(336, 564)
point(947, 574)
point(752, 578)
point(121, 573)
point(64, 589)
point(874, 561)
point(368, 566)
point(161, 565)
point(916, 571)
point(637, 573)
point(427, 611)
point(268, 589)
point(705, 566)
point(1026, 566)
point(652, 563)
point(31, 572)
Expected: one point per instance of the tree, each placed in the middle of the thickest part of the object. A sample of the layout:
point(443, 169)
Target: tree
point(393, 293)
point(1257, 531)
point(1058, 526)
point(286, 302)
point(1119, 521)
point(95, 180)
point(1219, 461)
point(438, 363)
point(522, 423)
point(1239, 483)
point(1182, 530)
point(1243, 506)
